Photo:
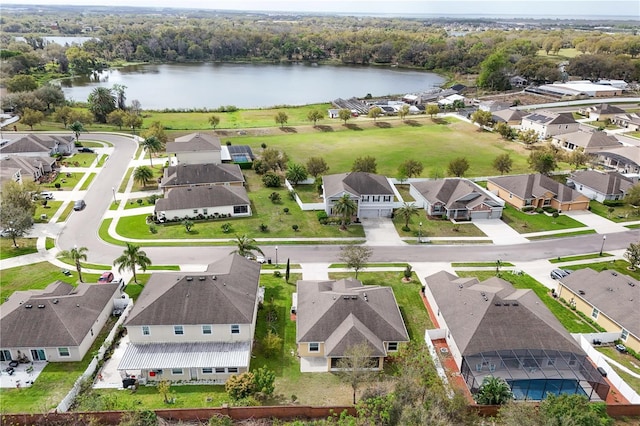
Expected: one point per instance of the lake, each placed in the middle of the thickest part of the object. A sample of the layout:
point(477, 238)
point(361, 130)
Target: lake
point(207, 85)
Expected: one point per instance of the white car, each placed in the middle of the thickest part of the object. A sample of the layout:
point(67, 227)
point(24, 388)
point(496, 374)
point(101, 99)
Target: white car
point(6, 233)
point(260, 259)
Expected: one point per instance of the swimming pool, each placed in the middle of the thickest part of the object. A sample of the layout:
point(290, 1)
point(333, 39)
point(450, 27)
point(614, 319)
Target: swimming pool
point(539, 389)
point(240, 158)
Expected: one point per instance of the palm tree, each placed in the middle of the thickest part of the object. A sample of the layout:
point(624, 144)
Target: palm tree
point(345, 207)
point(246, 246)
point(151, 145)
point(131, 257)
point(406, 211)
point(76, 127)
point(494, 391)
point(76, 254)
point(143, 175)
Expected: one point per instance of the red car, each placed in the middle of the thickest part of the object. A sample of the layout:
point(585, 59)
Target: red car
point(106, 277)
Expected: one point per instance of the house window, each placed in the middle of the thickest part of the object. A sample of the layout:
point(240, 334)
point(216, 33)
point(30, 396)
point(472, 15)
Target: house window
point(365, 198)
point(205, 211)
point(624, 335)
point(220, 370)
point(235, 329)
point(547, 202)
point(232, 370)
point(595, 313)
point(178, 330)
point(376, 198)
point(195, 211)
point(5, 355)
point(510, 195)
point(207, 370)
point(387, 198)
point(63, 352)
point(392, 346)
point(176, 371)
point(240, 209)
point(314, 347)
point(206, 329)
point(145, 330)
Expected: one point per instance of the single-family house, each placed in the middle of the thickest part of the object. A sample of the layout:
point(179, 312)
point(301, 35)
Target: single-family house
point(238, 154)
point(538, 191)
point(493, 105)
point(608, 298)
point(547, 124)
point(625, 159)
point(32, 168)
point(411, 99)
point(600, 186)
point(7, 174)
point(590, 142)
point(373, 194)
point(333, 113)
point(333, 316)
point(203, 202)
point(39, 146)
point(195, 327)
point(191, 175)
point(450, 100)
point(57, 324)
point(628, 121)
point(512, 117)
point(601, 112)
point(455, 198)
point(494, 329)
point(195, 148)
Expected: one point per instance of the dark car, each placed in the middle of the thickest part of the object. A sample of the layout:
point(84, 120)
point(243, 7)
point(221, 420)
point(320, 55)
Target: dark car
point(106, 277)
point(79, 205)
point(84, 149)
point(557, 274)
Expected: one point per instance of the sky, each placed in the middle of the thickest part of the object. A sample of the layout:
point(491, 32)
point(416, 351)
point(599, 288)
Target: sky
point(518, 8)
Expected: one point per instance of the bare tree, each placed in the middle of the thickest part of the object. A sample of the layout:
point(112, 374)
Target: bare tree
point(356, 257)
point(356, 366)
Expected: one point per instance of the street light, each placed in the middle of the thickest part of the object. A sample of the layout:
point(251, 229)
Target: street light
point(113, 190)
point(604, 239)
point(276, 256)
point(420, 233)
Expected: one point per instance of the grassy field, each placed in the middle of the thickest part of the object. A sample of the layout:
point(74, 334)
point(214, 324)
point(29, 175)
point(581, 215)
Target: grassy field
point(572, 322)
point(619, 214)
point(435, 228)
point(308, 194)
point(36, 276)
point(25, 246)
point(52, 384)
point(479, 264)
point(562, 54)
point(536, 222)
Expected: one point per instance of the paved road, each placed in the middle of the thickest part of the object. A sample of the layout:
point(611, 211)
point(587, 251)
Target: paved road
point(82, 227)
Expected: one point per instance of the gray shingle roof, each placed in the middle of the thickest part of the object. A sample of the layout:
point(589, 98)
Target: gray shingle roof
point(611, 294)
point(194, 142)
point(453, 193)
point(590, 141)
point(342, 313)
point(506, 115)
point(605, 183)
point(193, 174)
point(65, 319)
point(181, 298)
point(607, 109)
point(357, 183)
point(202, 196)
point(35, 143)
point(492, 316)
point(534, 186)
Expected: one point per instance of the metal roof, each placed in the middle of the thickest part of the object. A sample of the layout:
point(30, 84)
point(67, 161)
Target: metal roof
point(156, 356)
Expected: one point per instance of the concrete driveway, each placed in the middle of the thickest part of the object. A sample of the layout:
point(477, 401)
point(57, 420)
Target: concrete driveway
point(600, 224)
point(499, 232)
point(381, 232)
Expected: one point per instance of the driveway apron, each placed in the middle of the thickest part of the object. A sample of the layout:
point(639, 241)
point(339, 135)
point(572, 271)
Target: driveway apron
point(381, 232)
point(499, 232)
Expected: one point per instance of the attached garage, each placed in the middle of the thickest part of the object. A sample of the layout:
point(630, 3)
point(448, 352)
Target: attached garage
point(369, 213)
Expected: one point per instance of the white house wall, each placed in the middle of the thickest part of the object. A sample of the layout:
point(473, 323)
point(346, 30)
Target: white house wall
point(181, 213)
point(200, 157)
point(192, 333)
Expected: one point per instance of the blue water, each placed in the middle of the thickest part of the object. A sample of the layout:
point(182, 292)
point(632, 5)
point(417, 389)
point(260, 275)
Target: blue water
point(539, 389)
point(240, 158)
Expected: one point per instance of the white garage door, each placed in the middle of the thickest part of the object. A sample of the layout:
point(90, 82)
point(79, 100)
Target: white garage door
point(365, 213)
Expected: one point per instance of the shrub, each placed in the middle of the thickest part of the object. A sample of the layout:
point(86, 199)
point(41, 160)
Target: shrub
point(286, 210)
point(292, 195)
point(556, 214)
point(407, 272)
point(228, 143)
point(153, 228)
point(260, 167)
point(277, 274)
point(549, 209)
point(528, 208)
point(271, 180)
point(226, 228)
point(151, 199)
point(263, 145)
point(139, 201)
point(275, 197)
point(295, 228)
point(614, 203)
point(263, 227)
point(57, 185)
point(539, 210)
point(322, 215)
point(240, 386)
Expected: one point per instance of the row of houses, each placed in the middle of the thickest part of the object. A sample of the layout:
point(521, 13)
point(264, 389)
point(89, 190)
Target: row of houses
point(200, 328)
point(31, 157)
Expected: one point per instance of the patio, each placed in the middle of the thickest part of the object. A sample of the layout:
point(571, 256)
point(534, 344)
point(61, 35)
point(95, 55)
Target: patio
point(23, 374)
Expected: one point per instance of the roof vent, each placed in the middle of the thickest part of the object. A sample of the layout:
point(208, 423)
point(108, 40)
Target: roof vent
point(213, 277)
point(202, 278)
point(498, 304)
point(581, 292)
point(55, 301)
point(354, 297)
point(609, 289)
point(28, 306)
point(486, 299)
point(345, 297)
point(615, 274)
point(507, 304)
point(515, 304)
point(460, 286)
point(77, 305)
point(631, 284)
point(40, 306)
point(189, 278)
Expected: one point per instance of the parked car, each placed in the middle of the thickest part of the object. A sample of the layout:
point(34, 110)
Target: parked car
point(106, 277)
point(85, 149)
point(260, 259)
point(47, 195)
point(557, 274)
point(79, 205)
point(621, 348)
point(6, 232)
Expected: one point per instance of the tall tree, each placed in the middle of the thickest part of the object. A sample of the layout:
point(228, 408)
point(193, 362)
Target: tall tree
point(132, 257)
point(483, 118)
point(432, 110)
point(632, 254)
point(577, 158)
point(62, 114)
point(31, 117)
point(458, 166)
point(411, 168)
point(116, 118)
point(246, 246)
point(281, 118)
point(573, 409)
point(542, 161)
point(403, 111)
point(76, 127)
point(356, 366)
point(356, 257)
point(528, 137)
point(316, 166)
point(120, 96)
point(507, 132)
point(76, 254)
point(214, 120)
point(406, 211)
point(101, 103)
point(314, 115)
point(493, 391)
point(152, 145)
point(344, 115)
point(633, 195)
point(365, 164)
point(156, 129)
point(132, 121)
point(15, 220)
point(345, 207)
point(503, 163)
point(142, 175)
point(296, 173)
point(493, 72)
point(374, 113)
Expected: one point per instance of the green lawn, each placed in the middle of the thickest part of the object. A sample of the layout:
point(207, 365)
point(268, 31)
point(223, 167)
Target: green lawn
point(372, 265)
point(308, 194)
point(66, 182)
point(625, 359)
point(53, 383)
point(525, 223)
point(479, 264)
point(132, 203)
point(49, 243)
point(581, 257)
point(65, 214)
point(434, 144)
point(85, 265)
point(152, 184)
point(50, 209)
point(614, 265)
point(87, 182)
point(36, 276)
point(25, 246)
point(125, 180)
point(404, 193)
point(435, 228)
point(619, 214)
point(571, 321)
point(90, 144)
point(102, 159)
point(81, 159)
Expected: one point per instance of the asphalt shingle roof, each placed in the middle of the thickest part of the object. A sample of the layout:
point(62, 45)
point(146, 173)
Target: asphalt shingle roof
point(535, 186)
point(453, 193)
point(194, 174)
point(195, 142)
point(356, 183)
point(605, 183)
point(202, 196)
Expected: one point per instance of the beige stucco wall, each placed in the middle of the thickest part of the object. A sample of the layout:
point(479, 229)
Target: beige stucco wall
point(513, 200)
point(303, 350)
